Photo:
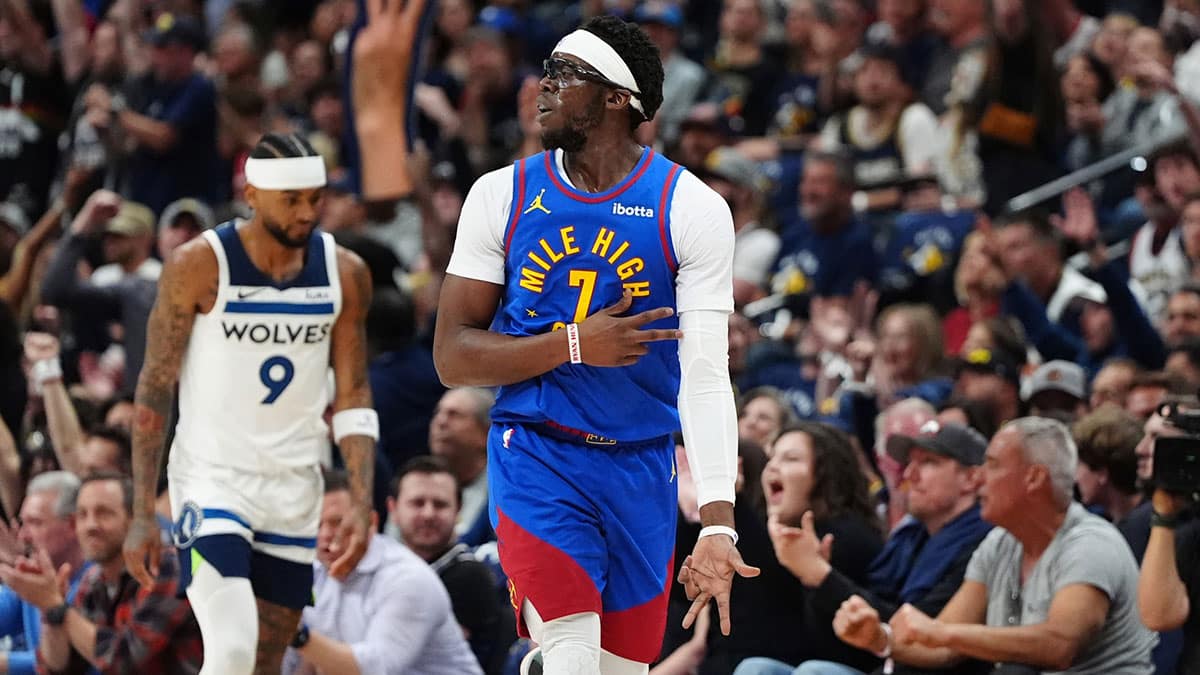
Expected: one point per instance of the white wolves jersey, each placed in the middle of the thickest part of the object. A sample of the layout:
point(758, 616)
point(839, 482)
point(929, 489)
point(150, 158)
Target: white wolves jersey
point(252, 390)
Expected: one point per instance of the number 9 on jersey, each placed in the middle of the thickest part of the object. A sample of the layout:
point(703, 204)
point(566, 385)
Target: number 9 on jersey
point(276, 374)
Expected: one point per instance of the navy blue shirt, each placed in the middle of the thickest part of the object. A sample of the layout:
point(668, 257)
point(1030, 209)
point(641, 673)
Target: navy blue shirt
point(921, 244)
point(191, 167)
point(405, 390)
point(823, 264)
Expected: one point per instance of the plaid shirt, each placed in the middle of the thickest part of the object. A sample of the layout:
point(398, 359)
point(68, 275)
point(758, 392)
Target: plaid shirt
point(138, 631)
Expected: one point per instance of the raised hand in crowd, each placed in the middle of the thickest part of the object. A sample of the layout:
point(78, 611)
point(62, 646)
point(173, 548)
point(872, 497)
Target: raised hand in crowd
point(383, 57)
point(801, 550)
point(100, 207)
point(433, 102)
point(1080, 225)
point(45, 372)
point(1078, 222)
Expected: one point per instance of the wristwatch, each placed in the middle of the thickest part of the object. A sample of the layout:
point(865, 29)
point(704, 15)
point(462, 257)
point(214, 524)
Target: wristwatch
point(301, 638)
point(1163, 520)
point(55, 616)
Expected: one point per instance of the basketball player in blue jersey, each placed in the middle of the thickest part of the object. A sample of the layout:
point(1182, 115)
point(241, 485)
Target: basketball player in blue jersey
point(248, 320)
point(611, 268)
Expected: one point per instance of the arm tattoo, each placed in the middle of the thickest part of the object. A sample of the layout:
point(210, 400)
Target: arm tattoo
point(168, 331)
point(359, 455)
point(353, 388)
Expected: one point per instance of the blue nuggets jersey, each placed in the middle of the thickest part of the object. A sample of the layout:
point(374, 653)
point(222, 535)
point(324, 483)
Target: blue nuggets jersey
point(569, 254)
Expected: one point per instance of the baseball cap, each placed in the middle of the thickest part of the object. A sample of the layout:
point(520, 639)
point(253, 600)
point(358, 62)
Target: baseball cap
point(14, 216)
point(196, 208)
point(733, 166)
point(708, 116)
point(175, 29)
point(1057, 375)
point(992, 362)
point(657, 11)
point(132, 220)
point(958, 442)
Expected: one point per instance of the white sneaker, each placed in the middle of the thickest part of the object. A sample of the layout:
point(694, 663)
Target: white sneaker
point(532, 663)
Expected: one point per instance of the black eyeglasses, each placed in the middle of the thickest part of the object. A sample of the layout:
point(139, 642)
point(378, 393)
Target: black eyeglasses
point(566, 73)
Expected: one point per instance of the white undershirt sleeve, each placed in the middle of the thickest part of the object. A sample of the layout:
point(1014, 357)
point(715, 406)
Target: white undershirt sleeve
point(702, 234)
point(479, 245)
point(706, 408)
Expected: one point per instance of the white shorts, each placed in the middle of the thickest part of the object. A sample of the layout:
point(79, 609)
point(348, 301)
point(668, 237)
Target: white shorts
point(277, 513)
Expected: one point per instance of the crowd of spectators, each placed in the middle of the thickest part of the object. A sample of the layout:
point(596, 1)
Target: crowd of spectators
point(948, 407)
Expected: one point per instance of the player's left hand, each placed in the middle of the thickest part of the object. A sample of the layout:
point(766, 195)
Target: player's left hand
point(708, 573)
point(351, 540)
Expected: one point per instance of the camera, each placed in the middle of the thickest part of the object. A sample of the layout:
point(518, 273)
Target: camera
point(1177, 458)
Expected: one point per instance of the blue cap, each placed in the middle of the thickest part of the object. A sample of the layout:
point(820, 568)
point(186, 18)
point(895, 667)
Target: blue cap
point(172, 29)
point(657, 11)
point(500, 19)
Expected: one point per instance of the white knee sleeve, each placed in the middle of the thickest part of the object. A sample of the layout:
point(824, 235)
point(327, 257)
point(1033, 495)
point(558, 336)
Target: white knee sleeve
point(570, 644)
point(228, 618)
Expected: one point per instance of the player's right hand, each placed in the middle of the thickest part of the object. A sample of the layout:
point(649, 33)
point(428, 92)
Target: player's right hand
point(142, 550)
point(608, 339)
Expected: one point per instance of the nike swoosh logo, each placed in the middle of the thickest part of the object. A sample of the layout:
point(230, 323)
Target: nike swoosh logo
point(242, 295)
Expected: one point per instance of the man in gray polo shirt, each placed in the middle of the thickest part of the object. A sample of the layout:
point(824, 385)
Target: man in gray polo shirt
point(391, 616)
point(1052, 588)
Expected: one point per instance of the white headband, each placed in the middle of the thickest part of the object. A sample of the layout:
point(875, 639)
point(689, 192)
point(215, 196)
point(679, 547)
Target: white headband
point(601, 56)
point(286, 173)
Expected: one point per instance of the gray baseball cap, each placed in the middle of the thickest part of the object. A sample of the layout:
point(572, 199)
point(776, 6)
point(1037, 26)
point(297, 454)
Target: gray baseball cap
point(1058, 375)
point(955, 441)
point(196, 208)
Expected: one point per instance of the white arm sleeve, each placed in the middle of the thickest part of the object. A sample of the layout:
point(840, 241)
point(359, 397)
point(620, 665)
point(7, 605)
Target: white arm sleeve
point(702, 232)
point(479, 245)
point(706, 408)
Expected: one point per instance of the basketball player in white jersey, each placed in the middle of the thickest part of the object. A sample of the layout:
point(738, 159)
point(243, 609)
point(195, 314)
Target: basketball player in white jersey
point(248, 320)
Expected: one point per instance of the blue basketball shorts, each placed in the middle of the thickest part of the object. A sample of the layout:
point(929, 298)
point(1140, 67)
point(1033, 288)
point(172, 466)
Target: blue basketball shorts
point(585, 525)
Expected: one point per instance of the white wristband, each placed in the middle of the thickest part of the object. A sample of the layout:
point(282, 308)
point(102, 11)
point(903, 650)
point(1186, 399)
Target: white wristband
point(887, 649)
point(46, 370)
point(573, 343)
point(355, 422)
point(719, 529)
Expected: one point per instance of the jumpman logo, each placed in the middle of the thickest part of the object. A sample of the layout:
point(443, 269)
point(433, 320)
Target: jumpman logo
point(536, 204)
